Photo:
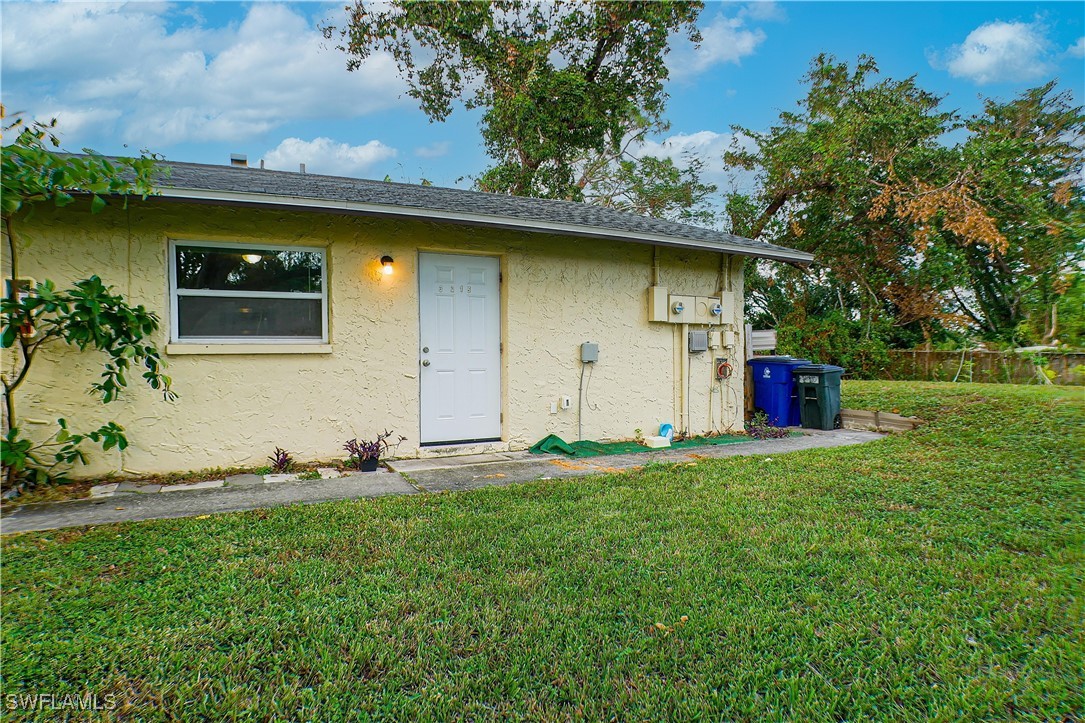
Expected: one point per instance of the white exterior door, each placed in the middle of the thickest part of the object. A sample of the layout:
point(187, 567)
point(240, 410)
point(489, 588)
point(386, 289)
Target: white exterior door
point(459, 299)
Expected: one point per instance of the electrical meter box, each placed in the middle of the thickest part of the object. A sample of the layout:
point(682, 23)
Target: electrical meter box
point(589, 352)
point(682, 309)
point(658, 304)
point(698, 341)
point(706, 308)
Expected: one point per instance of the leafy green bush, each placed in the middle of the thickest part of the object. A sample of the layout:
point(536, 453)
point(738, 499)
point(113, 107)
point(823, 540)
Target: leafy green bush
point(86, 316)
point(835, 339)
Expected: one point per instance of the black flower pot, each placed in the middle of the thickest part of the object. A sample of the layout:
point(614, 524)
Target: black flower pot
point(369, 465)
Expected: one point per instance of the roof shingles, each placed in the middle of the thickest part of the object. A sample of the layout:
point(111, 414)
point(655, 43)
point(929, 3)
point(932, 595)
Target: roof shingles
point(339, 193)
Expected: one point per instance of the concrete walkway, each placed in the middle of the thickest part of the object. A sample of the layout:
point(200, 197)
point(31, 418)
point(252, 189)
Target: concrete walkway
point(454, 474)
point(428, 475)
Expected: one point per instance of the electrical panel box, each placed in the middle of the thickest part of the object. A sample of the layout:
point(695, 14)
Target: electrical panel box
point(698, 341)
point(728, 338)
point(658, 304)
point(727, 308)
point(714, 340)
point(589, 352)
point(682, 309)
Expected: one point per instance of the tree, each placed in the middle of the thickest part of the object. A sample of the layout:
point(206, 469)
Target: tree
point(921, 232)
point(655, 187)
point(562, 83)
point(1026, 156)
point(86, 316)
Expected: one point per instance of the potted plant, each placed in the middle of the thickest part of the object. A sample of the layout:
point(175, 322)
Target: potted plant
point(365, 454)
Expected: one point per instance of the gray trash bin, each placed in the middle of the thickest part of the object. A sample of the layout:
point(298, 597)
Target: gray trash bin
point(819, 395)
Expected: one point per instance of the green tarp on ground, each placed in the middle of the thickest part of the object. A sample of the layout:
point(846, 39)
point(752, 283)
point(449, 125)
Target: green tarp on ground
point(553, 444)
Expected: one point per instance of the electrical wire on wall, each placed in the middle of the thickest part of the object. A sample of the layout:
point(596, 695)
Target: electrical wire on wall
point(732, 408)
point(583, 399)
point(580, 407)
point(587, 386)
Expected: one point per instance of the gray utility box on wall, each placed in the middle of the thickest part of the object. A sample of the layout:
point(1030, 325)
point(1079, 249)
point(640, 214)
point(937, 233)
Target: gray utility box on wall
point(589, 352)
point(698, 341)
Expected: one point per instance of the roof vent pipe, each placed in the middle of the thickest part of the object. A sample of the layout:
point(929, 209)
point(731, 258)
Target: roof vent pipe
point(261, 164)
point(301, 166)
point(239, 160)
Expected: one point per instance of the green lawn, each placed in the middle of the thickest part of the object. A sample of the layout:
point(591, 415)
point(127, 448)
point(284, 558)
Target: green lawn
point(935, 574)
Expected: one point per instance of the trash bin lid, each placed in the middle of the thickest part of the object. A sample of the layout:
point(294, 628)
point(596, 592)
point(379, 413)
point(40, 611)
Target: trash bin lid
point(782, 360)
point(819, 369)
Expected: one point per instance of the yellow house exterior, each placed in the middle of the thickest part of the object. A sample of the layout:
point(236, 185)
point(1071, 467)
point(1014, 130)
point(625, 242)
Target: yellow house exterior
point(238, 401)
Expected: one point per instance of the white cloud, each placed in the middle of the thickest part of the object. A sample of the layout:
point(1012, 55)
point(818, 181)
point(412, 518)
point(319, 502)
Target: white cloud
point(997, 52)
point(79, 122)
point(433, 150)
point(724, 40)
point(707, 145)
point(1077, 50)
point(162, 85)
point(323, 155)
point(763, 10)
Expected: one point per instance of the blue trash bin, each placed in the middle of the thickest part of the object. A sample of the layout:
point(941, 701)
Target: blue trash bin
point(774, 388)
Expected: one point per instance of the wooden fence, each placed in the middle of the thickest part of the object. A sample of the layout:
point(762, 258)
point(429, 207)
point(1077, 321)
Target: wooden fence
point(984, 366)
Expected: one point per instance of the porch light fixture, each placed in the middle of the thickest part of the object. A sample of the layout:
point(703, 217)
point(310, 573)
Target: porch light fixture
point(386, 265)
point(252, 258)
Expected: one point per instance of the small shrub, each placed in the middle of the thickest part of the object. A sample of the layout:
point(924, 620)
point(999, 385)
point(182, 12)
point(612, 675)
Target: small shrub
point(31, 464)
point(281, 461)
point(760, 428)
point(363, 450)
point(309, 474)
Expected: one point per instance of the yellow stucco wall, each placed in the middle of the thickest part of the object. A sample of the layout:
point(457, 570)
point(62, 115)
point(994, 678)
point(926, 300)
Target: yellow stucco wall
point(234, 409)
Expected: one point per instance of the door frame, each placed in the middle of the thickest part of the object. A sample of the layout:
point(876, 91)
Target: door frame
point(502, 332)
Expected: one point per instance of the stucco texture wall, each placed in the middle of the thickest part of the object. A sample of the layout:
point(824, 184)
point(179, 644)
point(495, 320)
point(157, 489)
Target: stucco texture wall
point(233, 409)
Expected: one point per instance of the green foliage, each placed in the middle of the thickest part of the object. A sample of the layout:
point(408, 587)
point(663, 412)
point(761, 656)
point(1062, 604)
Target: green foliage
point(32, 464)
point(759, 428)
point(932, 575)
point(31, 173)
point(654, 187)
point(1026, 155)
point(908, 225)
point(86, 316)
point(1069, 326)
point(835, 339)
point(560, 83)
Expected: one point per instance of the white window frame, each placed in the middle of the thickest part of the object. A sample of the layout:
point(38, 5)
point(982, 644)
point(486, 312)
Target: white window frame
point(176, 338)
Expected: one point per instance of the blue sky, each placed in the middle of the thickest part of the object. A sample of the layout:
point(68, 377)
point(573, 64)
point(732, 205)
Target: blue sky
point(199, 81)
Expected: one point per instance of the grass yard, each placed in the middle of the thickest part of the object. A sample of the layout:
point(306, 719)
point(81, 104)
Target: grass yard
point(936, 574)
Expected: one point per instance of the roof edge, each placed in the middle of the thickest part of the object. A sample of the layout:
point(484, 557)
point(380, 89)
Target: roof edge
point(777, 253)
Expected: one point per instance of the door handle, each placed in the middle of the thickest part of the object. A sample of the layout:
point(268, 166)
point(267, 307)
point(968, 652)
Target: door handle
point(425, 362)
